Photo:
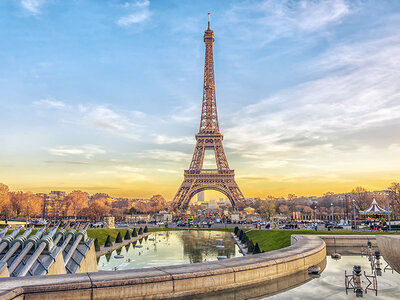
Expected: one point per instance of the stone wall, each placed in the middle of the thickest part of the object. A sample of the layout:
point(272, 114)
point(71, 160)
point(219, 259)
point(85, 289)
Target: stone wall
point(172, 281)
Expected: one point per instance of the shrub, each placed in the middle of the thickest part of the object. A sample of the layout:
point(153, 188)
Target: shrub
point(127, 235)
point(250, 246)
point(134, 233)
point(240, 234)
point(146, 229)
point(140, 230)
point(243, 239)
point(108, 242)
point(256, 249)
point(96, 245)
point(119, 238)
point(236, 230)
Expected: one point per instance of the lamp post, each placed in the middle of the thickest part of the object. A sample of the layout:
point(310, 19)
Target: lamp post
point(388, 208)
point(354, 211)
point(332, 212)
point(315, 212)
point(27, 213)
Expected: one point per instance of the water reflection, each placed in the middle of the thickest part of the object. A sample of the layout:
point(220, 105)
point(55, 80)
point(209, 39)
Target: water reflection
point(330, 285)
point(171, 248)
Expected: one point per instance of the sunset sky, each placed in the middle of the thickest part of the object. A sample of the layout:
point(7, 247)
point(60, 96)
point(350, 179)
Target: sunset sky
point(105, 96)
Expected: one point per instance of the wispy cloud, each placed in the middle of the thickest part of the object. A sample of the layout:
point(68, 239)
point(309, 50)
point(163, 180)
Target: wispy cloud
point(104, 118)
point(32, 6)
point(164, 140)
point(139, 12)
point(355, 99)
point(48, 103)
point(268, 20)
point(167, 155)
point(87, 151)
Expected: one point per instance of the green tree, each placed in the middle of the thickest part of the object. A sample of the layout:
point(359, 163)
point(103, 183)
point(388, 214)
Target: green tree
point(256, 249)
point(140, 231)
point(145, 229)
point(96, 245)
point(236, 230)
point(119, 237)
point(127, 235)
point(250, 246)
point(240, 234)
point(134, 233)
point(108, 242)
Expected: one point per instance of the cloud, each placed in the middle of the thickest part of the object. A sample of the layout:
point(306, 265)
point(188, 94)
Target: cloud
point(186, 114)
point(140, 13)
point(65, 162)
point(355, 97)
point(87, 151)
point(47, 103)
point(165, 140)
point(32, 6)
point(269, 20)
point(167, 155)
point(102, 117)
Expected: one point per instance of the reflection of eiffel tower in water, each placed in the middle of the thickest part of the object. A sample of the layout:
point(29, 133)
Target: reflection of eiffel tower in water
point(197, 179)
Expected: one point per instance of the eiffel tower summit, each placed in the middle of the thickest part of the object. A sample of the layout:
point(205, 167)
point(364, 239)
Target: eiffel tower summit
point(197, 179)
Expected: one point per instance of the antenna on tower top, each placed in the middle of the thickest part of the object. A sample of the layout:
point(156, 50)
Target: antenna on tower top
point(208, 20)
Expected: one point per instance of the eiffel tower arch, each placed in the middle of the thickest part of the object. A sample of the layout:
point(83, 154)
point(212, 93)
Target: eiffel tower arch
point(197, 179)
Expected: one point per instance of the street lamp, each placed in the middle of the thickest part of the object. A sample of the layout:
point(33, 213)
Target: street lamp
point(388, 208)
point(332, 212)
point(315, 212)
point(354, 211)
point(27, 213)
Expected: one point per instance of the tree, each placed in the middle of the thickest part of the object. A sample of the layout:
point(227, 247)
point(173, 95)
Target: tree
point(250, 246)
point(20, 203)
point(96, 210)
point(240, 234)
point(108, 242)
point(119, 238)
point(236, 230)
point(96, 245)
point(256, 249)
point(134, 233)
point(140, 231)
point(360, 196)
point(394, 197)
point(76, 201)
point(127, 235)
point(4, 197)
point(145, 229)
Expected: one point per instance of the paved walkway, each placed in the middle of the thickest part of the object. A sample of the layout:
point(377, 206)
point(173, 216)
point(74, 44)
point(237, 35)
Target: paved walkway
point(115, 246)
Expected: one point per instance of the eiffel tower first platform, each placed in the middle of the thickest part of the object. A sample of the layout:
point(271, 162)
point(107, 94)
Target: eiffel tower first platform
point(197, 179)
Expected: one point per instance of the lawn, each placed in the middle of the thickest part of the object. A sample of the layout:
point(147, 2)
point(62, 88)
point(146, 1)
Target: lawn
point(102, 233)
point(273, 239)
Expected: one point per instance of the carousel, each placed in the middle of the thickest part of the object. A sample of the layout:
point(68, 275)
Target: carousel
point(375, 215)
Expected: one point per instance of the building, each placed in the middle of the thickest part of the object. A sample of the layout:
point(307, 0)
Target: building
point(200, 197)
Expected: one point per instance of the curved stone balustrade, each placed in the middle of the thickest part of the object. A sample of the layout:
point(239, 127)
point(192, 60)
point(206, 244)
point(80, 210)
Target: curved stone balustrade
point(389, 246)
point(171, 281)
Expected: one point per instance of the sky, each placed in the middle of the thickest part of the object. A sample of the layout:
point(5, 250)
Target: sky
point(105, 96)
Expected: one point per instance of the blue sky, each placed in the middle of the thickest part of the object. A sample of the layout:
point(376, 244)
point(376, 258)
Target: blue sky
point(105, 95)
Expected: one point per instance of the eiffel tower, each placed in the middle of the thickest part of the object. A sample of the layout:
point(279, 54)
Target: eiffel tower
point(197, 179)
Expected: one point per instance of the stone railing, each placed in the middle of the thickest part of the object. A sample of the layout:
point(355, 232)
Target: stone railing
point(171, 281)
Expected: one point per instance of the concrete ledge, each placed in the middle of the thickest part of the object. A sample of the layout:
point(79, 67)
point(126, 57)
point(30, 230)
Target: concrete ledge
point(348, 240)
point(172, 281)
point(389, 246)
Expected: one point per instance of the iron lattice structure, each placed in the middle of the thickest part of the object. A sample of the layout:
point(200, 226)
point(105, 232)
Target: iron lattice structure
point(197, 179)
